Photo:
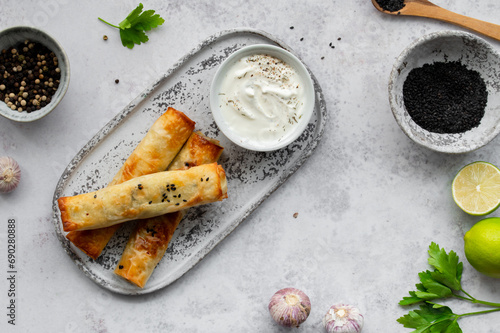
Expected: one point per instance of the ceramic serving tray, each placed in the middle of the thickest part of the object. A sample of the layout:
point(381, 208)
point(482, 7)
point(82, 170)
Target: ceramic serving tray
point(252, 176)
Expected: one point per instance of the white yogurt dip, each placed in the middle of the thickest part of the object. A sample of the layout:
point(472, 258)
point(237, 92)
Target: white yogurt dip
point(262, 99)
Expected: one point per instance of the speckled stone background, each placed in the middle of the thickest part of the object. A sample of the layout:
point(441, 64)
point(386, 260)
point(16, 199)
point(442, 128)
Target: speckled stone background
point(369, 201)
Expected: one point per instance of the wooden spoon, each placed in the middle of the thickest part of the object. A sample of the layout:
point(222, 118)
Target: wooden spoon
point(424, 8)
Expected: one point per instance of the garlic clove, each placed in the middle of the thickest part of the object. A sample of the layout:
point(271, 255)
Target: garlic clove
point(289, 307)
point(10, 174)
point(343, 318)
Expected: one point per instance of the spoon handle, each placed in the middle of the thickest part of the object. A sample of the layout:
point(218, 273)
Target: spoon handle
point(427, 9)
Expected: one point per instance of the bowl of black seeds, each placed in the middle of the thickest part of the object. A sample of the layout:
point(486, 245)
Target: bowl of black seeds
point(444, 91)
point(34, 73)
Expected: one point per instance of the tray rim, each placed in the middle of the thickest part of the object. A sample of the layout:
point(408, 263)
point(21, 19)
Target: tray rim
point(122, 115)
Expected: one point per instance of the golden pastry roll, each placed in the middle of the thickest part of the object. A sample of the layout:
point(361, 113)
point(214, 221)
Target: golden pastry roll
point(158, 148)
point(154, 153)
point(144, 197)
point(149, 241)
point(198, 150)
point(146, 246)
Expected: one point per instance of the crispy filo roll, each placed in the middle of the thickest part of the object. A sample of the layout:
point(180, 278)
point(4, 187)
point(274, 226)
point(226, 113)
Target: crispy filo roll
point(149, 241)
point(143, 197)
point(154, 153)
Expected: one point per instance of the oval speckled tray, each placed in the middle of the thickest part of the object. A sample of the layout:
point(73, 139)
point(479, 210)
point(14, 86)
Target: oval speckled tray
point(252, 176)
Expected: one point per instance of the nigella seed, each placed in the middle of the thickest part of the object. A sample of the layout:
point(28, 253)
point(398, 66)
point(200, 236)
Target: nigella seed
point(179, 195)
point(207, 179)
point(95, 196)
point(201, 179)
point(184, 200)
point(175, 196)
point(177, 204)
point(150, 202)
point(120, 267)
point(140, 187)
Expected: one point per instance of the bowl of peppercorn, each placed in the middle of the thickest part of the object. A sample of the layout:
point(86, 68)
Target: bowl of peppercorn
point(34, 73)
point(444, 91)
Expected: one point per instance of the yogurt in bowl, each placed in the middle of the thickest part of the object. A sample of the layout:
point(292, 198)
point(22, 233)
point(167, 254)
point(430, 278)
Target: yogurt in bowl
point(262, 97)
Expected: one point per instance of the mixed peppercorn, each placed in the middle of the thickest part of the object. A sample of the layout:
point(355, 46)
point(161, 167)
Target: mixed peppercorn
point(29, 76)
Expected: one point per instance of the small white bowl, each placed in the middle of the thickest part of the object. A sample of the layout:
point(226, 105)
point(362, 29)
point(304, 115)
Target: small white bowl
point(446, 46)
point(221, 74)
point(12, 36)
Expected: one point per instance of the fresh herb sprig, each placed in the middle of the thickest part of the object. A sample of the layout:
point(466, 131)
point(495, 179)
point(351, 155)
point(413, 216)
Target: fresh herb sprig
point(133, 27)
point(443, 282)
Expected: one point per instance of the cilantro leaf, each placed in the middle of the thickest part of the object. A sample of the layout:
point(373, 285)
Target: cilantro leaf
point(448, 269)
point(133, 27)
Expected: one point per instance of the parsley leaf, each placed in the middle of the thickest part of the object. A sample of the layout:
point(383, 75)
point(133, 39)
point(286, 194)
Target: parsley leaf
point(428, 318)
point(443, 282)
point(133, 27)
point(448, 269)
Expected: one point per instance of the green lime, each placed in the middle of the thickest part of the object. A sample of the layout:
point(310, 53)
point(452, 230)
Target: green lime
point(476, 188)
point(482, 246)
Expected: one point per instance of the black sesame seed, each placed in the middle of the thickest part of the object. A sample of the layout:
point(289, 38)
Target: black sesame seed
point(95, 196)
point(177, 204)
point(207, 179)
point(140, 187)
point(445, 97)
point(150, 202)
point(391, 5)
point(120, 267)
point(184, 200)
point(201, 179)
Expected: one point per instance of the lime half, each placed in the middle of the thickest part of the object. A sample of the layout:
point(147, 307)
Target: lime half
point(476, 188)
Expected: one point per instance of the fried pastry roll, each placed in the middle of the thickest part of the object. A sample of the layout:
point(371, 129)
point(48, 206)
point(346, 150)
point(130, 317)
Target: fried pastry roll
point(149, 241)
point(143, 197)
point(154, 153)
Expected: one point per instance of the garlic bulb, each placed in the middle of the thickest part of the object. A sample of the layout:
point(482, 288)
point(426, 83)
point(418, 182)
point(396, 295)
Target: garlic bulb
point(343, 318)
point(290, 307)
point(10, 174)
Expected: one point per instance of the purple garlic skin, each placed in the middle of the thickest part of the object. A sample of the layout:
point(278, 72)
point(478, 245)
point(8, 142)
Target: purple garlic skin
point(290, 307)
point(343, 318)
point(10, 174)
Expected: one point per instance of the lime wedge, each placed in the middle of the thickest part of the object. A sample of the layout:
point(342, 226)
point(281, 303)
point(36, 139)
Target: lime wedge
point(476, 188)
